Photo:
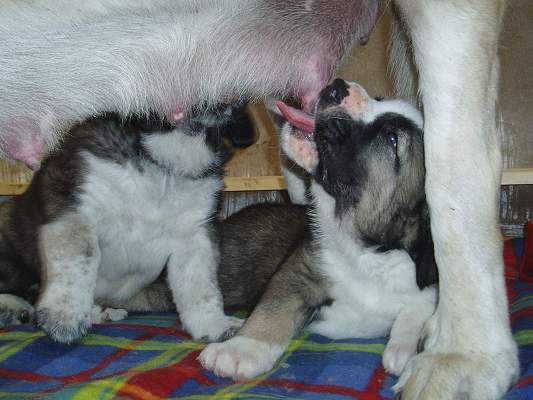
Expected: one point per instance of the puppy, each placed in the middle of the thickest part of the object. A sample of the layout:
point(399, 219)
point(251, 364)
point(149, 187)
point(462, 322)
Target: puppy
point(365, 261)
point(104, 216)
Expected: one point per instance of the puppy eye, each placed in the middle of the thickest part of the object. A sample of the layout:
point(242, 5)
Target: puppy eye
point(392, 138)
point(378, 98)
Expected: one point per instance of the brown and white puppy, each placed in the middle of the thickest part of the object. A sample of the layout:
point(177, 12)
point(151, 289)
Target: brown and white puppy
point(102, 218)
point(364, 262)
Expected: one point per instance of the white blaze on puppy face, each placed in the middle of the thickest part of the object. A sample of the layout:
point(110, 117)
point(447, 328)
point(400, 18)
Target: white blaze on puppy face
point(301, 150)
point(356, 104)
point(360, 106)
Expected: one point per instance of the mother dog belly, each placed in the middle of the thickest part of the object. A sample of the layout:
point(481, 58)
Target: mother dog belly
point(167, 57)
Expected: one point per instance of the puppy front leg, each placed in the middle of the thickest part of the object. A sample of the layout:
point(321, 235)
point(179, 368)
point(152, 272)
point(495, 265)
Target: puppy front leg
point(469, 352)
point(193, 282)
point(407, 330)
point(70, 257)
point(282, 310)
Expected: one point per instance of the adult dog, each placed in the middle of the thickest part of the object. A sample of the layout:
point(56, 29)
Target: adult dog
point(117, 55)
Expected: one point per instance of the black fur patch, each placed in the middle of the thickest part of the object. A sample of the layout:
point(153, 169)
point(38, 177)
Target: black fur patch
point(344, 146)
point(346, 149)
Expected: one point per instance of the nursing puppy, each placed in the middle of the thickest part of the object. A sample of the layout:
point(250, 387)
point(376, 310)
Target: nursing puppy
point(365, 261)
point(104, 216)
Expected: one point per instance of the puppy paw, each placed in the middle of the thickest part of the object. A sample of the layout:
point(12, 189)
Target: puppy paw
point(240, 358)
point(64, 326)
point(15, 310)
point(397, 354)
point(108, 315)
point(214, 329)
point(431, 376)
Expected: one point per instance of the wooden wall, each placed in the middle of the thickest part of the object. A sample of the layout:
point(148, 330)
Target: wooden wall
point(516, 102)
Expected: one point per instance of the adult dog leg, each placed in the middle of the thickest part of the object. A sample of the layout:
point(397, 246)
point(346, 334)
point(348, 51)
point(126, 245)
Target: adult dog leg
point(193, 281)
point(70, 259)
point(470, 352)
point(401, 63)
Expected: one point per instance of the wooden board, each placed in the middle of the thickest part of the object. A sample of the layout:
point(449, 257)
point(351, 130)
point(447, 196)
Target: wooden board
point(257, 167)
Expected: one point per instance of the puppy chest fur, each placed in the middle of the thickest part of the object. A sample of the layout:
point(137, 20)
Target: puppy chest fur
point(141, 218)
point(368, 287)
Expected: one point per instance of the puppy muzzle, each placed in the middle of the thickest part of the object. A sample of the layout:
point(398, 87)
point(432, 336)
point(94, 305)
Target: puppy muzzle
point(344, 97)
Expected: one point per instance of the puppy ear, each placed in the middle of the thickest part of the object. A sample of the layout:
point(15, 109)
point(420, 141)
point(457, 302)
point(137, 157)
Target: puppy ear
point(300, 150)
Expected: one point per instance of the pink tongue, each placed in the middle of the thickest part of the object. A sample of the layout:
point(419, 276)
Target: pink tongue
point(297, 118)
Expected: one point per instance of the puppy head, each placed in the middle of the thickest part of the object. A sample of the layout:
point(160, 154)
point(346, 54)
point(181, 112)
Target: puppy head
point(365, 153)
point(194, 146)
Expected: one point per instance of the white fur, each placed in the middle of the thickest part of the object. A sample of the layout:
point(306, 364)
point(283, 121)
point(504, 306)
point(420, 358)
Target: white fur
point(241, 357)
point(373, 291)
point(401, 107)
point(64, 61)
point(175, 153)
point(470, 352)
point(99, 316)
point(296, 179)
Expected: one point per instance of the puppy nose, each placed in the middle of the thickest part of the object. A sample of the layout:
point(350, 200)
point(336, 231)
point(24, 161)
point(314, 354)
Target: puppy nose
point(336, 91)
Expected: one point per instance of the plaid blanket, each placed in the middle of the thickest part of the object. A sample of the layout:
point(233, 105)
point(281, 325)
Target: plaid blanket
point(147, 356)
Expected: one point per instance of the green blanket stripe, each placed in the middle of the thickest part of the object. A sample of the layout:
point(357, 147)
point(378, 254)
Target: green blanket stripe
point(524, 337)
point(523, 302)
point(103, 389)
point(154, 345)
point(236, 396)
point(163, 360)
point(15, 335)
point(15, 395)
point(19, 343)
point(376, 348)
point(156, 321)
point(147, 345)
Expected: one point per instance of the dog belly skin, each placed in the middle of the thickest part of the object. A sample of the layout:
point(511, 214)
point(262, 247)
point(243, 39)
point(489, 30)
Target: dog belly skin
point(110, 55)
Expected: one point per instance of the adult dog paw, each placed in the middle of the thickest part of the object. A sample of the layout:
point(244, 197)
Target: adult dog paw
point(213, 329)
point(64, 326)
point(433, 376)
point(240, 358)
point(15, 310)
